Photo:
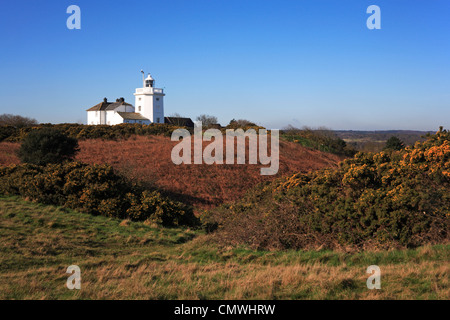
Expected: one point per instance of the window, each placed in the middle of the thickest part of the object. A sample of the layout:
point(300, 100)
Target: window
point(157, 99)
point(139, 108)
point(157, 120)
point(139, 99)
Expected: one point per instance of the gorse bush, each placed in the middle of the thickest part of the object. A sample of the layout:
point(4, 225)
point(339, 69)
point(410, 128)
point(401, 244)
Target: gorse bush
point(47, 145)
point(8, 132)
point(320, 139)
point(242, 124)
point(80, 131)
point(94, 189)
point(377, 200)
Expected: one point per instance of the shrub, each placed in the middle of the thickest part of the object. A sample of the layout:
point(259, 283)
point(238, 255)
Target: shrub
point(243, 124)
point(394, 143)
point(321, 139)
point(377, 200)
point(47, 145)
point(94, 189)
point(240, 123)
point(80, 131)
point(7, 132)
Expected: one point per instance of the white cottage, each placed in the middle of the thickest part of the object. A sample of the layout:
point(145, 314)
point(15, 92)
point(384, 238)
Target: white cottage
point(149, 103)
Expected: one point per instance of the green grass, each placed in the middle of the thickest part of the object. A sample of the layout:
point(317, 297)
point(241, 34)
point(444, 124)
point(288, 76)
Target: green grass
point(130, 260)
point(305, 142)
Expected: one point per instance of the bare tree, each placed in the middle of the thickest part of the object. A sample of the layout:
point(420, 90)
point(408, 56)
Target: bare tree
point(240, 123)
point(207, 120)
point(177, 119)
point(16, 121)
point(290, 129)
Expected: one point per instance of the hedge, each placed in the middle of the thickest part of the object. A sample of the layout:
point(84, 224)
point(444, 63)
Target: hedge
point(80, 131)
point(94, 189)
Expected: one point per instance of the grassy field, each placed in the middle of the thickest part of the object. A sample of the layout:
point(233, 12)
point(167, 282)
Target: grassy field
point(129, 260)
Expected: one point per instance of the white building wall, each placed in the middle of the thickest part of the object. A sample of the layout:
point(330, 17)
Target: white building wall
point(113, 118)
point(158, 108)
point(150, 105)
point(102, 115)
point(144, 106)
point(96, 117)
point(93, 117)
point(110, 117)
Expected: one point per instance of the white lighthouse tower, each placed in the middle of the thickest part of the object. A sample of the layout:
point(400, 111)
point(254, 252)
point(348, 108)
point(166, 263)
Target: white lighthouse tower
point(150, 100)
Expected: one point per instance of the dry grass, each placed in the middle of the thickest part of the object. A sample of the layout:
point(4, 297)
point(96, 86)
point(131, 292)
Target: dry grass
point(148, 159)
point(8, 153)
point(129, 260)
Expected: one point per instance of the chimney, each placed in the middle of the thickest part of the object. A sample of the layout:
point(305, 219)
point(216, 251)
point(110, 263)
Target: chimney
point(105, 100)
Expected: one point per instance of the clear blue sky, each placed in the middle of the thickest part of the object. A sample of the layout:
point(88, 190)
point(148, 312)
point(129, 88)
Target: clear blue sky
point(293, 62)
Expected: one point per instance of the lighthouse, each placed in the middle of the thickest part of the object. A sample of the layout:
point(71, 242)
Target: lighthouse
point(150, 100)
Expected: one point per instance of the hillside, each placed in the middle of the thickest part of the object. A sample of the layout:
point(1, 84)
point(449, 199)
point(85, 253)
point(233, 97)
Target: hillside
point(132, 260)
point(147, 159)
point(374, 200)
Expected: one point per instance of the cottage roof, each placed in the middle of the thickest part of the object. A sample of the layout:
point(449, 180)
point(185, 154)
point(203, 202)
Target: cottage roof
point(132, 116)
point(105, 105)
point(179, 121)
point(115, 105)
point(101, 106)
